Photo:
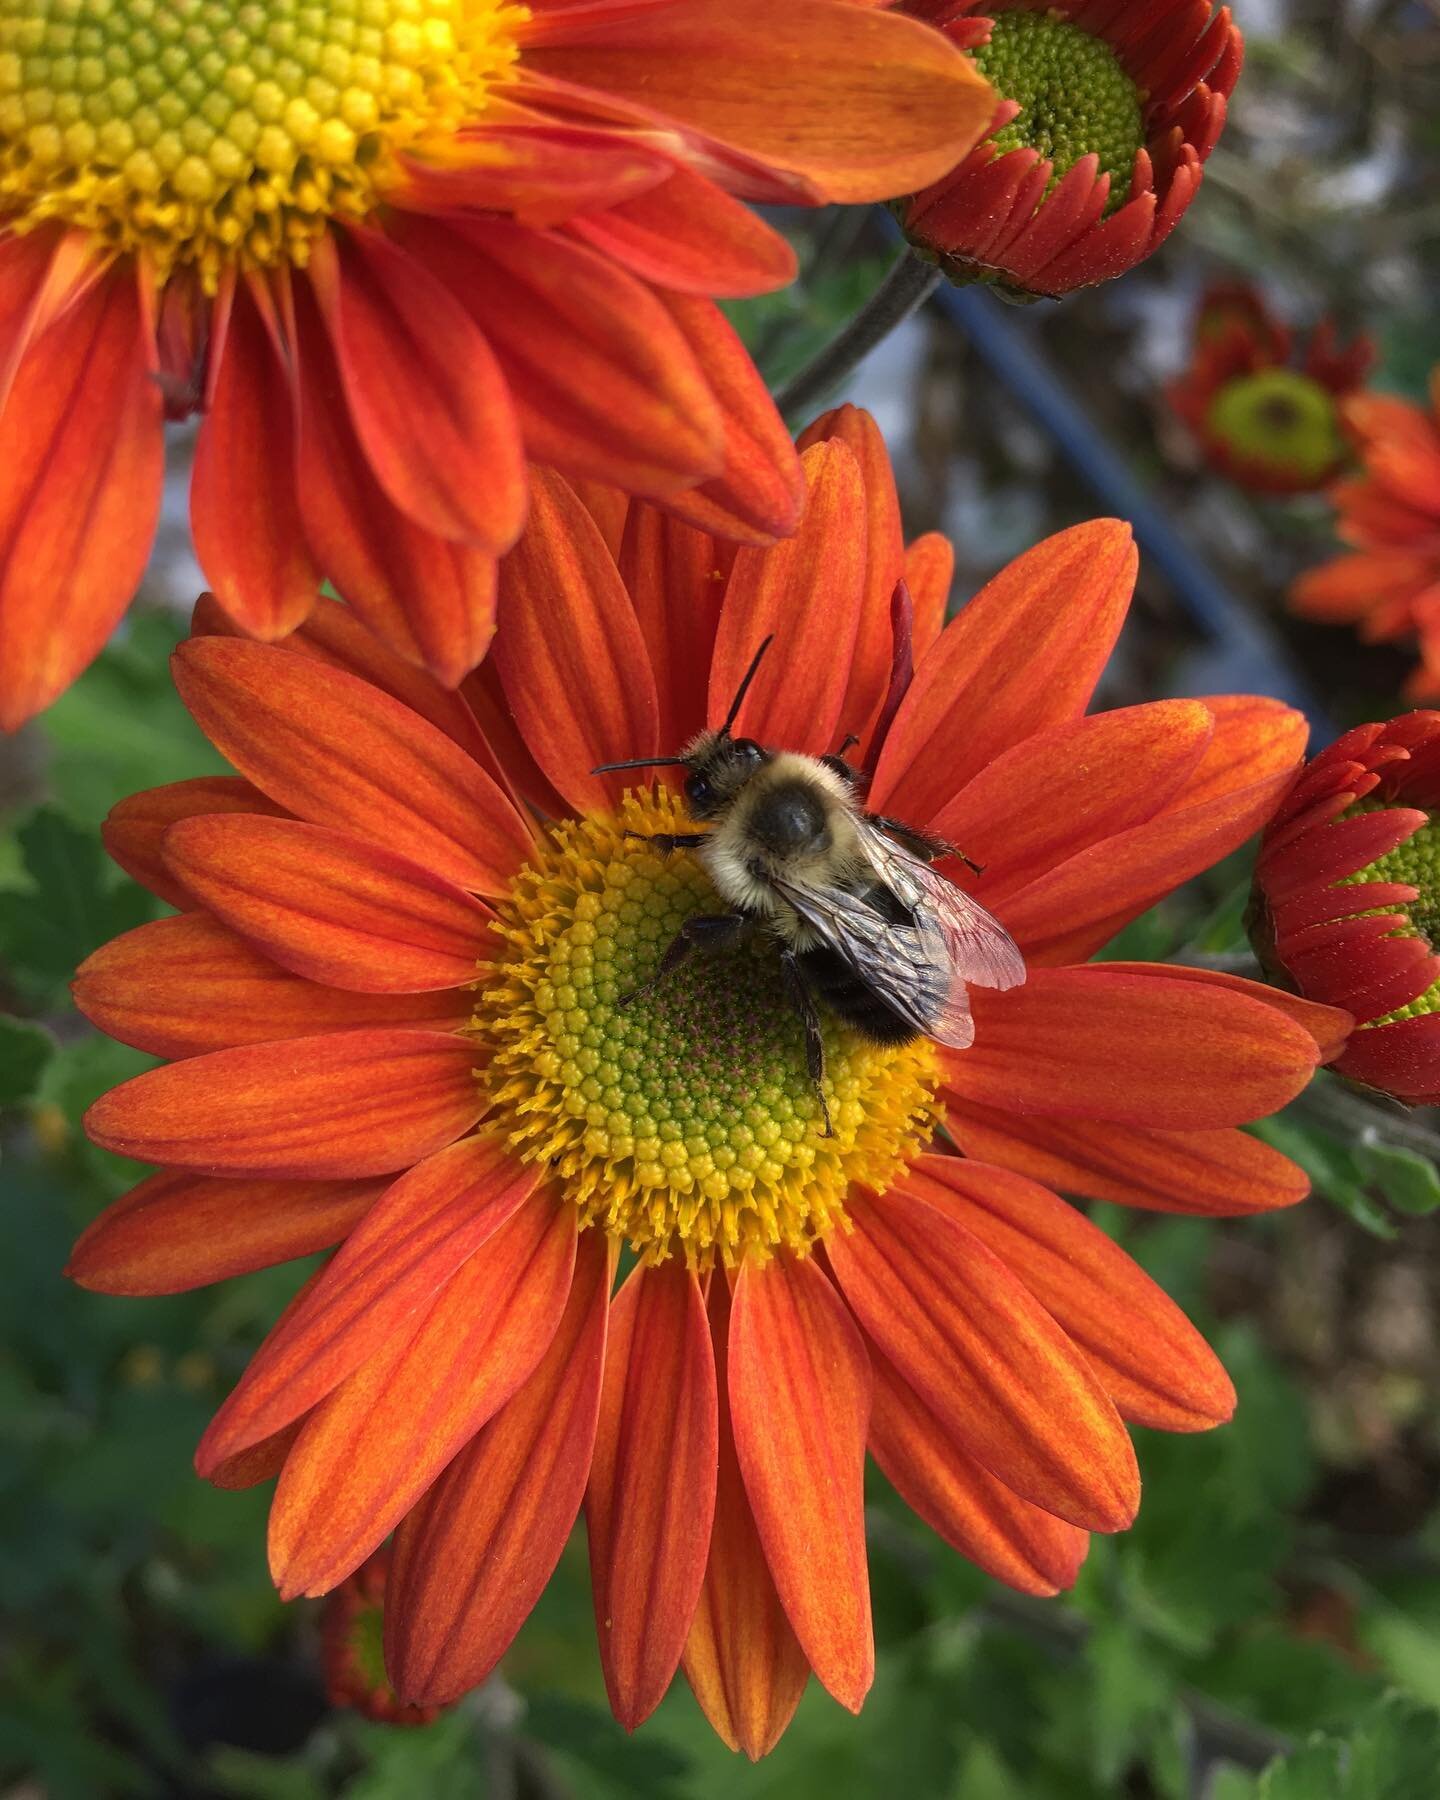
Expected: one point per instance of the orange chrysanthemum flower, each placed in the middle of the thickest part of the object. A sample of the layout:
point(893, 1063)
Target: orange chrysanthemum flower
point(391, 248)
point(1108, 110)
point(1389, 586)
point(1262, 422)
point(481, 1146)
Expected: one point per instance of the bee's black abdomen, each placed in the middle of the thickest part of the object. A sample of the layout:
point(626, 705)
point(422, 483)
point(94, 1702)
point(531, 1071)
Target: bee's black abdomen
point(832, 980)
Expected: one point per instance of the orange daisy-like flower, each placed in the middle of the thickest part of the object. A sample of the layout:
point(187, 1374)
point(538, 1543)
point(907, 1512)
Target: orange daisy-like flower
point(391, 248)
point(1346, 904)
point(1108, 110)
point(1264, 423)
point(481, 1145)
point(1389, 585)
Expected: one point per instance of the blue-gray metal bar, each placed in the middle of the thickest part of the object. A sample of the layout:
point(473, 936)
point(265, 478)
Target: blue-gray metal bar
point(1018, 362)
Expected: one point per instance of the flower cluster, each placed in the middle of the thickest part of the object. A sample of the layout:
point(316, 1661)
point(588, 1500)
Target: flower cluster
point(611, 1227)
point(409, 1007)
point(1260, 419)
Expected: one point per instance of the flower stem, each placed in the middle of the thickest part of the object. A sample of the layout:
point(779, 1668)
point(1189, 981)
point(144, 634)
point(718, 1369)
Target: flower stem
point(908, 284)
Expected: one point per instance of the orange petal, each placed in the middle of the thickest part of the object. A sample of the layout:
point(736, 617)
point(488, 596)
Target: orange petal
point(1100, 776)
point(334, 635)
point(675, 576)
point(1150, 1050)
point(423, 1228)
point(1151, 1360)
point(262, 1462)
point(179, 987)
point(538, 171)
point(332, 1107)
point(603, 381)
point(474, 1555)
point(800, 1405)
point(42, 273)
point(1069, 911)
point(651, 1497)
point(430, 598)
point(1210, 1173)
point(331, 907)
point(741, 1658)
point(570, 653)
point(689, 236)
point(244, 511)
point(83, 459)
point(175, 1232)
point(1329, 1026)
point(758, 493)
point(884, 563)
point(986, 1358)
point(338, 752)
point(1020, 1544)
point(371, 1449)
point(929, 574)
point(1026, 652)
point(809, 592)
point(858, 104)
point(428, 400)
point(135, 827)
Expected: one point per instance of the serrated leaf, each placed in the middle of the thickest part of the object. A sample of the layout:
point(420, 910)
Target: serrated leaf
point(73, 903)
point(25, 1049)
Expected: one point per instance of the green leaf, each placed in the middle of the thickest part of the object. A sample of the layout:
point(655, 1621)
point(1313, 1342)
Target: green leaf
point(1393, 1754)
point(1408, 1180)
point(74, 903)
point(1331, 1167)
point(25, 1049)
point(122, 726)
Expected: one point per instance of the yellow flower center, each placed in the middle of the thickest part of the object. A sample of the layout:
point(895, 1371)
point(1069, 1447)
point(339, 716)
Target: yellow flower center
point(214, 133)
point(1281, 419)
point(684, 1121)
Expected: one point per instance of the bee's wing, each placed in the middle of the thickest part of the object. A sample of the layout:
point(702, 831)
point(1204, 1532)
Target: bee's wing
point(978, 947)
point(905, 965)
point(919, 970)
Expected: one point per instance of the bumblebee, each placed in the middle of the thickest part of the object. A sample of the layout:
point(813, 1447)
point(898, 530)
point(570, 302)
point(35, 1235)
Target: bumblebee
point(863, 920)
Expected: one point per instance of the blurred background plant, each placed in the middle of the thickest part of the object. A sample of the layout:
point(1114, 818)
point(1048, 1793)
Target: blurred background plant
point(1280, 1595)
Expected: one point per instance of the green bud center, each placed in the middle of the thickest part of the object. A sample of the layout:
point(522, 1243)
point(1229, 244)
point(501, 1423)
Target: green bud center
point(1075, 98)
point(1280, 418)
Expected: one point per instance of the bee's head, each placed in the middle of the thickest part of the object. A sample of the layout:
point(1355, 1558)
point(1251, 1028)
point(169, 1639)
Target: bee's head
point(716, 765)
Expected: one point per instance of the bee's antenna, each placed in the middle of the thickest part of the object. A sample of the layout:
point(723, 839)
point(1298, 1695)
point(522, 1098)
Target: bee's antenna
point(639, 762)
point(744, 686)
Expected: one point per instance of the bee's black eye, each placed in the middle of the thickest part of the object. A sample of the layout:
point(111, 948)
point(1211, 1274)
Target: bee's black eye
point(698, 791)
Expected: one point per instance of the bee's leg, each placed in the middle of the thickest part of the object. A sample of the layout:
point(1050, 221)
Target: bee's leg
point(706, 931)
point(920, 843)
point(804, 1004)
point(854, 778)
point(666, 841)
